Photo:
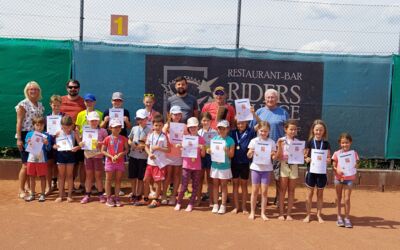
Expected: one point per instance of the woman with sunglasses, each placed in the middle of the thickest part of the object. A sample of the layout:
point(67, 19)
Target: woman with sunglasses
point(216, 105)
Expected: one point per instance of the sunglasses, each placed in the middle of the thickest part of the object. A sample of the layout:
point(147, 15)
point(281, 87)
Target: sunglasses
point(73, 87)
point(219, 92)
point(148, 95)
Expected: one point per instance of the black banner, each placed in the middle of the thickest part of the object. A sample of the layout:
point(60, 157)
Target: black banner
point(299, 84)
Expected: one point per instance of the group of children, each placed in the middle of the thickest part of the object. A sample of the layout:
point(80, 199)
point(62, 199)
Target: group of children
point(156, 163)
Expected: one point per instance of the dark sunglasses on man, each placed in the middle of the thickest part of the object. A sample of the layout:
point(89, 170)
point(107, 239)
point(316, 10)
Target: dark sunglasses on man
point(73, 87)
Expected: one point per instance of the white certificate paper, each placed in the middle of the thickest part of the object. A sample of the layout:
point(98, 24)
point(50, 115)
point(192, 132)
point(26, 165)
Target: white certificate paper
point(347, 163)
point(296, 152)
point(176, 132)
point(217, 148)
point(190, 145)
point(53, 124)
point(89, 137)
point(64, 143)
point(117, 113)
point(262, 153)
point(318, 161)
point(243, 112)
point(35, 144)
point(161, 159)
point(207, 136)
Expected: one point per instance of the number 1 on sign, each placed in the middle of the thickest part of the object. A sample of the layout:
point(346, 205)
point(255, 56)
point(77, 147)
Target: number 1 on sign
point(119, 23)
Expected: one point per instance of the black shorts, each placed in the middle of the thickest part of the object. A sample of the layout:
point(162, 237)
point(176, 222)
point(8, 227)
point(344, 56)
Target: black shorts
point(206, 162)
point(23, 153)
point(51, 155)
point(240, 170)
point(136, 168)
point(79, 156)
point(66, 157)
point(318, 180)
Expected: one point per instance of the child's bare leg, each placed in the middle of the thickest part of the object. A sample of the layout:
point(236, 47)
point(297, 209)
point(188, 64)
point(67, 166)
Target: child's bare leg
point(118, 177)
point(309, 196)
point(166, 182)
point(235, 195)
point(347, 194)
point(210, 186)
point(22, 177)
point(253, 200)
point(70, 179)
point(43, 184)
point(320, 200)
point(264, 199)
point(139, 187)
point(99, 181)
point(339, 190)
point(109, 176)
point(282, 192)
point(158, 188)
point(146, 187)
point(134, 186)
point(32, 180)
point(291, 186)
point(245, 194)
point(49, 176)
point(224, 191)
point(89, 180)
point(61, 180)
point(215, 190)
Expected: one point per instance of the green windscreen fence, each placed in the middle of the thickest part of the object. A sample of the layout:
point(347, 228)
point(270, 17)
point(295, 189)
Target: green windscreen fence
point(23, 60)
point(393, 142)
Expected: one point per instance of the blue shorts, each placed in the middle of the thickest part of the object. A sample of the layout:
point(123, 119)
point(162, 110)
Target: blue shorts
point(206, 162)
point(65, 157)
point(319, 180)
point(348, 183)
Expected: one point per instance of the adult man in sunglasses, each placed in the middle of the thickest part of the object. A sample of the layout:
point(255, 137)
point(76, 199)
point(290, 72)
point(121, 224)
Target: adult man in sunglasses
point(184, 100)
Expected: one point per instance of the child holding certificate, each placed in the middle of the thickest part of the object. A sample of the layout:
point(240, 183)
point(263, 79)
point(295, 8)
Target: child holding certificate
point(38, 144)
point(207, 133)
point(117, 102)
point(92, 140)
point(222, 149)
point(114, 148)
point(262, 150)
point(156, 148)
point(317, 153)
point(290, 153)
point(66, 140)
point(174, 129)
point(193, 150)
point(345, 162)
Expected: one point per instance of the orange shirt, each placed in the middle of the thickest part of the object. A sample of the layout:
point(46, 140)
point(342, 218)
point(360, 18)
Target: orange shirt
point(212, 108)
point(72, 107)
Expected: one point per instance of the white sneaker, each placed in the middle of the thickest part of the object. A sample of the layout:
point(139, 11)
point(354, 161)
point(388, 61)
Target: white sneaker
point(215, 209)
point(222, 209)
point(121, 193)
point(152, 195)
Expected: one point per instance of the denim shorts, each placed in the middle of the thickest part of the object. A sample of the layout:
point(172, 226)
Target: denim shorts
point(348, 183)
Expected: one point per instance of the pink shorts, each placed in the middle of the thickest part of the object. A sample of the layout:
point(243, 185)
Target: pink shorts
point(36, 169)
point(158, 174)
point(113, 167)
point(94, 164)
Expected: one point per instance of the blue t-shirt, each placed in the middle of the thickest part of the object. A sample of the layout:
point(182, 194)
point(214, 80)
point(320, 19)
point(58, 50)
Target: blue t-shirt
point(276, 118)
point(244, 139)
point(227, 164)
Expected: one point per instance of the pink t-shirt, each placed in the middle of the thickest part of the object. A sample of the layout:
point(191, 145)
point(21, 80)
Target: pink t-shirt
point(112, 143)
point(194, 163)
point(335, 158)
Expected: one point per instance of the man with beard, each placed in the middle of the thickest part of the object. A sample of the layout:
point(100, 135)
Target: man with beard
point(187, 102)
point(71, 105)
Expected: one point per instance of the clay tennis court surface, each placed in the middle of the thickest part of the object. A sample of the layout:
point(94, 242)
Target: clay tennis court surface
point(48, 225)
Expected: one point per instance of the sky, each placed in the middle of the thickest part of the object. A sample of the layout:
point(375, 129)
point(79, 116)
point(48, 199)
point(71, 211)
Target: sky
point(326, 26)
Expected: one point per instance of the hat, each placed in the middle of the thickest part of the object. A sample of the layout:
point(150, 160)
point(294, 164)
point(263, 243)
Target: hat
point(219, 90)
point(93, 116)
point(175, 110)
point(192, 122)
point(223, 123)
point(115, 123)
point(141, 114)
point(117, 96)
point(89, 97)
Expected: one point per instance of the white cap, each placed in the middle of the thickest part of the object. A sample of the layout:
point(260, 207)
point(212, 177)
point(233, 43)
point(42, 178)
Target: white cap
point(93, 116)
point(117, 96)
point(115, 123)
point(192, 122)
point(175, 110)
point(141, 114)
point(223, 123)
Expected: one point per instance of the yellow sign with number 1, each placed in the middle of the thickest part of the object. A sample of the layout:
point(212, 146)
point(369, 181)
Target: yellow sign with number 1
point(119, 25)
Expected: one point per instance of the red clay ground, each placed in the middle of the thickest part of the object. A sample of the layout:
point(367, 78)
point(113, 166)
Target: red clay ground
point(49, 225)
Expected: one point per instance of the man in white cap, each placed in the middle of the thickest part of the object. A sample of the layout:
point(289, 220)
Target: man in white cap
point(117, 101)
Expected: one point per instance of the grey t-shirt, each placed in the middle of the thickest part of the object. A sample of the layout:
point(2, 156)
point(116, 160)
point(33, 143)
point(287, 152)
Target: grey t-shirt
point(138, 135)
point(187, 103)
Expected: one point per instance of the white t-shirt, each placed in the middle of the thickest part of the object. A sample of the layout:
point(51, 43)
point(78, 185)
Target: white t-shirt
point(137, 136)
point(262, 167)
point(159, 140)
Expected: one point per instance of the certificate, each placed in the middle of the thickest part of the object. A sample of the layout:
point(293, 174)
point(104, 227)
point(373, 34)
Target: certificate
point(35, 144)
point(207, 136)
point(217, 148)
point(64, 143)
point(296, 152)
point(318, 161)
point(117, 113)
point(347, 163)
point(262, 153)
point(53, 124)
point(176, 132)
point(190, 146)
point(89, 137)
point(161, 159)
point(243, 112)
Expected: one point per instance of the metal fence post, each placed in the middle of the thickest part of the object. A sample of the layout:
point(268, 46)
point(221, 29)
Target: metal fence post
point(238, 24)
point(81, 22)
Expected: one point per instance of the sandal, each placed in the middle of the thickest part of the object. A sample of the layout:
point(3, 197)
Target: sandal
point(154, 204)
point(59, 199)
point(69, 199)
point(22, 195)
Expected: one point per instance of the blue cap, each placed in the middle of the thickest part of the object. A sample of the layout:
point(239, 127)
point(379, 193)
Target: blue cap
point(89, 97)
